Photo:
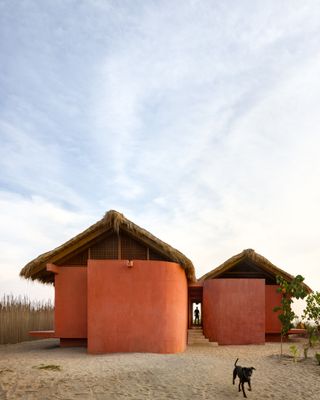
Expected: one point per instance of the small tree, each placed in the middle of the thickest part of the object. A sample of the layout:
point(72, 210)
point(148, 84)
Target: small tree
point(312, 310)
point(289, 291)
point(312, 313)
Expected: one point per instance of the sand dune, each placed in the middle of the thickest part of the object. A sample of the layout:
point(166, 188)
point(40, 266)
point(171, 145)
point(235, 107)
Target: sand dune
point(202, 372)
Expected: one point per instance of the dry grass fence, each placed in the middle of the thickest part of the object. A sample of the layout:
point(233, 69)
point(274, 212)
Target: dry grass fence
point(19, 315)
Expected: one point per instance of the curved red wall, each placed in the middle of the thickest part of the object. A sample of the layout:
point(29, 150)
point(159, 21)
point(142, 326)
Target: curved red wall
point(138, 309)
point(234, 311)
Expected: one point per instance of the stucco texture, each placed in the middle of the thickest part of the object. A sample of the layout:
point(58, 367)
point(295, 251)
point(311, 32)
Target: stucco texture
point(234, 311)
point(138, 309)
point(71, 302)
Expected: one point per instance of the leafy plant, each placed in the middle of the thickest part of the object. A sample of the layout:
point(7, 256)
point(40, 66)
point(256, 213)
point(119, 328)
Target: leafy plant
point(313, 335)
point(312, 313)
point(295, 352)
point(313, 338)
point(312, 310)
point(289, 291)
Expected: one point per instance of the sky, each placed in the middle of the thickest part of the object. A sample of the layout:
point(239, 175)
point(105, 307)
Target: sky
point(198, 120)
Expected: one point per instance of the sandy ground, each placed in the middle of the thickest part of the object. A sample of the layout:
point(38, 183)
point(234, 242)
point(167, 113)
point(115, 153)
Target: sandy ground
point(202, 372)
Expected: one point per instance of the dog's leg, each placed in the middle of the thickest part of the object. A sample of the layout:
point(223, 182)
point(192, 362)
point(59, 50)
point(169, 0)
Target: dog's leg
point(234, 376)
point(239, 386)
point(249, 383)
point(244, 393)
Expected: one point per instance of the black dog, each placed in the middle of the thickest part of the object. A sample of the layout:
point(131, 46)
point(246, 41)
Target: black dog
point(244, 375)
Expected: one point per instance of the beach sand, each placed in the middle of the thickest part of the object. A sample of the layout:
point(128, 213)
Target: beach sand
point(202, 372)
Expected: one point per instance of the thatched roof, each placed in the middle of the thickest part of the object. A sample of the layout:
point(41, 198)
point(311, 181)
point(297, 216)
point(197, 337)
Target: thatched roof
point(113, 221)
point(257, 259)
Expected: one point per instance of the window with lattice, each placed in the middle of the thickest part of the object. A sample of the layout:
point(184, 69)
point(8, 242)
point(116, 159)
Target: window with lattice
point(153, 255)
point(105, 249)
point(131, 249)
point(76, 259)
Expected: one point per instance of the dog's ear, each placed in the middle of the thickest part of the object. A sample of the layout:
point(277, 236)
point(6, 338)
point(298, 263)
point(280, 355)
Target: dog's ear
point(253, 368)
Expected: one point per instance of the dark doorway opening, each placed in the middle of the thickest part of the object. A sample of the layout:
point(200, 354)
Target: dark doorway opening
point(195, 302)
point(197, 314)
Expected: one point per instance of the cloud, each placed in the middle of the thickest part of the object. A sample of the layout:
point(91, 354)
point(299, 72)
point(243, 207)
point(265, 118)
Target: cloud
point(30, 227)
point(258, 188)
point(176, 84)
point(196, 119)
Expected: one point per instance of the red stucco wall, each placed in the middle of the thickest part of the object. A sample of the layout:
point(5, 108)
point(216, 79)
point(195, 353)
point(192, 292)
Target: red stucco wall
point(273, 299)
point(138, 309)
point(234, 310)
point(70, 312)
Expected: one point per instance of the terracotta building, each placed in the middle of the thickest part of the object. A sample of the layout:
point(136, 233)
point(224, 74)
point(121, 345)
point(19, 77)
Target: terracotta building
point(118, 288)
point(238, 300)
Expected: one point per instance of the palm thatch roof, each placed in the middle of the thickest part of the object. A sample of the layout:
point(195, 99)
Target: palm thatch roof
point(254, 257)
point(112, 221)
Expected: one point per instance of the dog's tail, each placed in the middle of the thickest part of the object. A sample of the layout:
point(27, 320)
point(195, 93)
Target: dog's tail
point(236, 362)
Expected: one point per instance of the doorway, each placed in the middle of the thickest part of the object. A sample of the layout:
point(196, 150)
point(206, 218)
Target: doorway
point(195, 302)
point(196, 314)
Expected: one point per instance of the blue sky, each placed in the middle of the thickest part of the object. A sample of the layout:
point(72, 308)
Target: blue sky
point(199, 120)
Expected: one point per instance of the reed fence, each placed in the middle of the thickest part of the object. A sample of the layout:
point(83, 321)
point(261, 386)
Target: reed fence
point(19, 315)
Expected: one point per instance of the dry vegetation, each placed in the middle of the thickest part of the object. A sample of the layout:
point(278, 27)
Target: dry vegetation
point(19, 315)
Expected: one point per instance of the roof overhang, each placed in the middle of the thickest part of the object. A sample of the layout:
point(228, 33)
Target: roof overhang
point(257, 259)
point(113, 221)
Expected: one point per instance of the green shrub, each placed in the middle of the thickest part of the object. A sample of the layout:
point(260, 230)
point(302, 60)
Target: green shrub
point(295, 352)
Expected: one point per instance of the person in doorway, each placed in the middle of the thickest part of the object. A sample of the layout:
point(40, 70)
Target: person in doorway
point(196, 316)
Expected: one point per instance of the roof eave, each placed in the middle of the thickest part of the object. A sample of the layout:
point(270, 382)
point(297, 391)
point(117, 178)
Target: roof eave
point(112, 221)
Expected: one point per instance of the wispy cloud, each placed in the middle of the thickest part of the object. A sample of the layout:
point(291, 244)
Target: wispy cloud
point(197, 119)
point(31, 226)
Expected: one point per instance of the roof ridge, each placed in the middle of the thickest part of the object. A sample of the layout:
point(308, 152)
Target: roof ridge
point(113, 220)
